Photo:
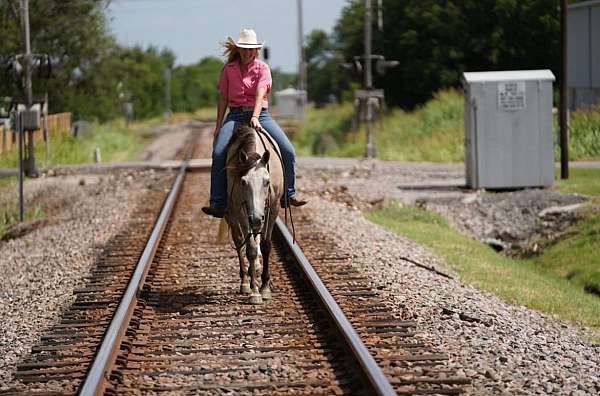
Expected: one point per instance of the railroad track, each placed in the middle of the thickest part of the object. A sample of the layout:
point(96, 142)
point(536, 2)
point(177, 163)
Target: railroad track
point(183, 327)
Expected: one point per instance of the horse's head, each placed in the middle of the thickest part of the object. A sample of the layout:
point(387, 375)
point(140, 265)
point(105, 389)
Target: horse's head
point(255, 189)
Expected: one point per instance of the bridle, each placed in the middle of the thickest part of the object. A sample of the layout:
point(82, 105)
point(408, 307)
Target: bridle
point(262, 132)
point(267, 214)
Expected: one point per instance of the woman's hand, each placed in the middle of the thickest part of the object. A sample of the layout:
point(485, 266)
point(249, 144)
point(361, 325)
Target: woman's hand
point(254, 123)
point(216, 132)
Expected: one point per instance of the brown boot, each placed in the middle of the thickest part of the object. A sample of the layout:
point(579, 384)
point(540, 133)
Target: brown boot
point(214, 212)
point(294, 202)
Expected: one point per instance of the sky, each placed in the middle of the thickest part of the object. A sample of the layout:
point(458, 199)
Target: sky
point(193, 29)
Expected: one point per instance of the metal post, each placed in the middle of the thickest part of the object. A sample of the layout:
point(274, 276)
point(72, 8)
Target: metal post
point(167, 114)
point(45, 129)
point(564, 127)
point(370, 150)
point(30, 169)
point(19, 128)
point(301, 62)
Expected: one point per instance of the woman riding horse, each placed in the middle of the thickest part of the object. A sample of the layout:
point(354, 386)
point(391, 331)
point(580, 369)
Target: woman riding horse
point(244, 84)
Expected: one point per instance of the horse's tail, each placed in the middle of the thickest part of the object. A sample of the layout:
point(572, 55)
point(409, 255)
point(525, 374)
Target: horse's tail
point(223, 233)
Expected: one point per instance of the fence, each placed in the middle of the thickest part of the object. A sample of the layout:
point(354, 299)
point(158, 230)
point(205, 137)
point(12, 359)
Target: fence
point(59, 123)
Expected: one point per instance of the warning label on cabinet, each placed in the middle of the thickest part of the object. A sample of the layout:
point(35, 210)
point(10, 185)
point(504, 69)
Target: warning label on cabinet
point(511, 95)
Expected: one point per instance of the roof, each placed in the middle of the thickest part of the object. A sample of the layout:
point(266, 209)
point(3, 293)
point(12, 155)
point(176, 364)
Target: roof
point(589, 3)
point(509, 75)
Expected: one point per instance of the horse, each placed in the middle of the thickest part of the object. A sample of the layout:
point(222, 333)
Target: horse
point(254, 188)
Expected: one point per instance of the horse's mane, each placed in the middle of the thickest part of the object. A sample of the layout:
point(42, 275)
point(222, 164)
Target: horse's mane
point(244, 139)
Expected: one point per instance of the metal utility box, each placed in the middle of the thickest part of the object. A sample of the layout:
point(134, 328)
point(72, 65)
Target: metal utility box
point(31, 119)
point(290, 103)
point(508, 129)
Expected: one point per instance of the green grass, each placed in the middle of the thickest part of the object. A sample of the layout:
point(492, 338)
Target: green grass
point(584, 139)
point(576, 258)
point(554, 282)
point(115, 141)
point(324, 129)
point(521, 282)
point(584, 181)
point(431, 133)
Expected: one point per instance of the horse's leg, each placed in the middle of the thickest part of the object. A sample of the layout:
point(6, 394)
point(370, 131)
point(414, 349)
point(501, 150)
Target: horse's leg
point(238, 239)
point(244, 279)
point(255, 268)
point(265, 288)
point(265, 245)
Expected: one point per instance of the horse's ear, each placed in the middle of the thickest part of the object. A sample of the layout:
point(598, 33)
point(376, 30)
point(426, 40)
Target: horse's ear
point(243, 157)
point(265, 157)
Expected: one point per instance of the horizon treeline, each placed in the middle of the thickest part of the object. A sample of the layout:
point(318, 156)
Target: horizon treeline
point(435, 41)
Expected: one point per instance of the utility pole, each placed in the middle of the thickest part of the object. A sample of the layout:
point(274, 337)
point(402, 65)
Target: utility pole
point(370, 150)
point(30, 168)
point(563, 121)
point(301, 62)
point(167, 74)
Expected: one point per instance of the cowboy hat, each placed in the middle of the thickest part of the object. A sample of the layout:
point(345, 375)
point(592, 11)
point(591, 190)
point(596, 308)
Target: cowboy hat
point(246, 39)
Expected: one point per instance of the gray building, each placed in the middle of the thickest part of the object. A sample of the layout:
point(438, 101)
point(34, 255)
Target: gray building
point(583, 41)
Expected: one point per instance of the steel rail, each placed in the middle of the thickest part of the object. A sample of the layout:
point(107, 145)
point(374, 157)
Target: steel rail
point(372, 371)
point(99, 371)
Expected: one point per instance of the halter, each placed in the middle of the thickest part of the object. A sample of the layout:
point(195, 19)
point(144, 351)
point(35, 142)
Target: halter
point(260, 132)
point(267, 213)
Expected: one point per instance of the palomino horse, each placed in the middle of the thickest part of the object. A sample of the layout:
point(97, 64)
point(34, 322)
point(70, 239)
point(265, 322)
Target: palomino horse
point(254, 189)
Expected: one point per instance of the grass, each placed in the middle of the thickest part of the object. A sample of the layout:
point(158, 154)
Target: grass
point(520, 282)
point(584, 139)
point(115, 141)
point(324, 129)
point(576, 257)
point(560, 281)
point(584, 181)
point(433, 132)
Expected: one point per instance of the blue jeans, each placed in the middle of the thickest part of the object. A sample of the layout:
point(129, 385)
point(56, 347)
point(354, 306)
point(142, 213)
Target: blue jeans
point(218, 176)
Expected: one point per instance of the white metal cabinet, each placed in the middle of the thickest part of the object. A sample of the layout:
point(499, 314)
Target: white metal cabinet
point(508, 129)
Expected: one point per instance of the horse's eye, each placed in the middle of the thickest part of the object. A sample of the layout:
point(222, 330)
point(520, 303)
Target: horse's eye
point(244, 182)
point(266, 182)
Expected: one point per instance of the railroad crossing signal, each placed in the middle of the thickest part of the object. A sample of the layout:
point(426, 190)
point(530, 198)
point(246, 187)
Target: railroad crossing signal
point(381, 64)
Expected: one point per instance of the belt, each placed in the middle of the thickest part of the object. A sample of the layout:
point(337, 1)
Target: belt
point(244, 109)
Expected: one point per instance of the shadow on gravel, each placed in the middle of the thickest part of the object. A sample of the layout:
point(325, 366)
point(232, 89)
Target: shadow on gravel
point(180, 300)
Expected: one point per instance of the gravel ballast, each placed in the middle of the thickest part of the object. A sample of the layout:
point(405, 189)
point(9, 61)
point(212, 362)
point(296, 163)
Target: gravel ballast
point(41, 269)
point(504, 349)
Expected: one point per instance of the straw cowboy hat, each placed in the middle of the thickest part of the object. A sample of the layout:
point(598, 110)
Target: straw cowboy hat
point(246, 39)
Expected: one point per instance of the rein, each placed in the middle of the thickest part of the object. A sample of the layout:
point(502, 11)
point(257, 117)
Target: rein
point(247, 238)
point(287, 208)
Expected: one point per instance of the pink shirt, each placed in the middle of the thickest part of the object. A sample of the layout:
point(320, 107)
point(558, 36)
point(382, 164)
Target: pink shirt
point(241, 89)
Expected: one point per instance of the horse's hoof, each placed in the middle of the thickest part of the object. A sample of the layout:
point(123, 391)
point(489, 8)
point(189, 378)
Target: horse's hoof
point(245, 289)
point(265, 293)
point(256, 299)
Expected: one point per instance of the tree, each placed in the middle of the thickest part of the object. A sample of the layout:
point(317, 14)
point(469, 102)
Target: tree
point(195, 86)
point(324, 79)
point(73, 33)
point(437, 40)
